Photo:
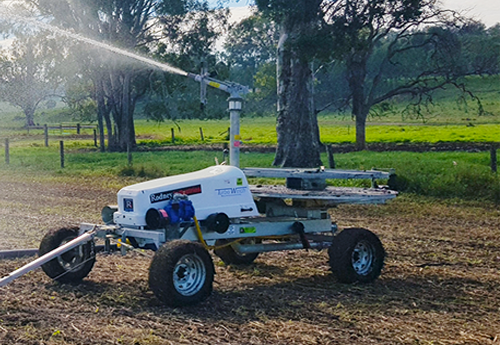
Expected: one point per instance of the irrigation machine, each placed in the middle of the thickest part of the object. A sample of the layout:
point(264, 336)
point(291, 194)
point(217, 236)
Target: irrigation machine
point(184, 217)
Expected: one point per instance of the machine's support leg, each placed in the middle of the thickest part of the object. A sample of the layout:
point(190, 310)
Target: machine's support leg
point(107, 245)
point(235, 105)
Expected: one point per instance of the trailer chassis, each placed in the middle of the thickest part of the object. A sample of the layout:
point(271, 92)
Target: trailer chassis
point(181, 271)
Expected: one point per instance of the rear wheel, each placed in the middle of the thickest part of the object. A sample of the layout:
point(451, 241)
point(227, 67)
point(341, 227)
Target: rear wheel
point(71, 266)
point(356, 255)
point(230, 256)
point(181, 273)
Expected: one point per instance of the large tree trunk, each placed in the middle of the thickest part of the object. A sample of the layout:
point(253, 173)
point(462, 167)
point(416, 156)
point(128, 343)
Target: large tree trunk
point(101, 109)
point(361, 131)
point(105, 104)
point(360, 109)
point(297, 127)
point(123, 109)
point(29, 105)
point(125, 114)
point(112, 146)
point(29, 113)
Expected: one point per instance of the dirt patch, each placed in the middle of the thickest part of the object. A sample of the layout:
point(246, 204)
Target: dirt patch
point(29, 209)
point(439, 285)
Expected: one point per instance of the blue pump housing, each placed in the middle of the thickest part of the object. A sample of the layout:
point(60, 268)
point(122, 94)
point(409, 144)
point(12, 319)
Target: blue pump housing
point(179, 210)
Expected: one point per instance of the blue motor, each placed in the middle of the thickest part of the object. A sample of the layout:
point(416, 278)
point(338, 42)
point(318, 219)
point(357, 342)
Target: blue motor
point(180, 209)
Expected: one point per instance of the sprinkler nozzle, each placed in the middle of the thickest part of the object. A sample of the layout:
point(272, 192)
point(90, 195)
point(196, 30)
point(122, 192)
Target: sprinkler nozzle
point(196, 77)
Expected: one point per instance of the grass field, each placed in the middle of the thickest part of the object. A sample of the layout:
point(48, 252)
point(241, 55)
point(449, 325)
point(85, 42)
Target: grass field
point(261, 131)
point(445, 175)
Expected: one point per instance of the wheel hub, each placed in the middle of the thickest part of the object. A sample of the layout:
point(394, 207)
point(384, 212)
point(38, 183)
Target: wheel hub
point(189, 275)
point(363, 256)
point(72, 259)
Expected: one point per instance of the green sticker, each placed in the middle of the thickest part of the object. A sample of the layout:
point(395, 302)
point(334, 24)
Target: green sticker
point(248, 230)
point(239, 181)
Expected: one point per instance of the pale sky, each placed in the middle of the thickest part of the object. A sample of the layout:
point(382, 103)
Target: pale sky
point(488, 11)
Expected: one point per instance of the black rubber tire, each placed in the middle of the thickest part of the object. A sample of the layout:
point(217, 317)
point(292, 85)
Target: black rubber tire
point(173, 259)
point(70, 267)
point(229, 256)
point(356, 255)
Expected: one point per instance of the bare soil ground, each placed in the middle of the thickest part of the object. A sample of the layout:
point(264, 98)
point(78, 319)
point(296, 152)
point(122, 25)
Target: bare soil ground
point(439, 285)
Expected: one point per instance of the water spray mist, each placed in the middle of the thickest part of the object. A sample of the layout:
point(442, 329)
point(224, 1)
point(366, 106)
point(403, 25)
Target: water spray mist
point(8, 14)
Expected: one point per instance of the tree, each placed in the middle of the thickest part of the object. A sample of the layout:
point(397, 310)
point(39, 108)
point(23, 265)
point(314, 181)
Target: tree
point(250, 44)
point(189, 41)
point(29, 72)
point(126, 25)
point(297, 128)
point(133, 25)
point(480, 47)
point(250, 51)
point(393, 30)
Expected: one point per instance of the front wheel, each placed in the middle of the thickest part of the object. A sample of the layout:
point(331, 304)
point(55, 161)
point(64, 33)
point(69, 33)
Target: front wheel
point(356, 255)
point(71, 266)
point(181, 273)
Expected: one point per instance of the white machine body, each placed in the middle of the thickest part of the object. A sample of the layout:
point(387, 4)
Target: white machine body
point(216, 189)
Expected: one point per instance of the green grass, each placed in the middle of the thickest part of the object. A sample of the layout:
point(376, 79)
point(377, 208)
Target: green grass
point(92, 164)
point(461, 175)
point(436, 174)
point(261, 131)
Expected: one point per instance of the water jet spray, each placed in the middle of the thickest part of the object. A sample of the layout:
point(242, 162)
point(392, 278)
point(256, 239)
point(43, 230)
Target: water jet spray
point(8, 14)
point(235, 90)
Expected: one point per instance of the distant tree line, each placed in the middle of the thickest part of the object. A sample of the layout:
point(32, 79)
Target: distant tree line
point(299, 58)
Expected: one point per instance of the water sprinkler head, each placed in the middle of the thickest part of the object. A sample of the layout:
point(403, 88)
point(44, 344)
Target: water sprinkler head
point(196, 77)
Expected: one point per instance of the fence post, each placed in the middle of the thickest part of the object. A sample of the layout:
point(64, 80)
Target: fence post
point(78, 128)
point(129, 155)
point(46, 134)
point(95, 137)
point(173, 135)
point(7, 153)
point(493, 158)
point(61, 152)
point(201, 134)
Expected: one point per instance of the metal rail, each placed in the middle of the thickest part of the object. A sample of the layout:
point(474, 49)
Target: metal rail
point(316, 173)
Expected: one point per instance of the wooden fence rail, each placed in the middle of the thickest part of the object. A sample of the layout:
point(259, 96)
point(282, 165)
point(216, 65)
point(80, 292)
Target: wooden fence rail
point(61, 127)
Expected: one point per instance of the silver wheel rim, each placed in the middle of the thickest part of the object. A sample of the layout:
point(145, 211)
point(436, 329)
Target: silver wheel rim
point(72, 259)
point(189, 275)
point(363, 257)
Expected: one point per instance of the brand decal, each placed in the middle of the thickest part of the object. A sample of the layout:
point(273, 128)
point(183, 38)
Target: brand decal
point(168, 195)
point(223, 192)
point(248, 230)
point(128, 205)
